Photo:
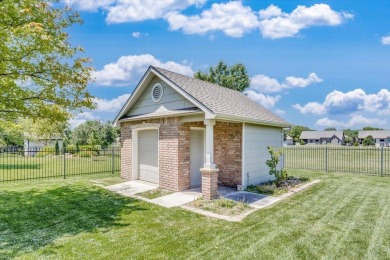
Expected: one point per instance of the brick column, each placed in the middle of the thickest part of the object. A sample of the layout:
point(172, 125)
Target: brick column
point(209, 183)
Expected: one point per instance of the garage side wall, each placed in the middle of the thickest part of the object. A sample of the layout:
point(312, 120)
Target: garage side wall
point(228, 152)
point(256, 140)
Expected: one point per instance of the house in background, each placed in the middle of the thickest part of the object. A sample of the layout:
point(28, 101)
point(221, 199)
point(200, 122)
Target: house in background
point(381, 137)
point(180, 132)
point(289, 140)
point(34, 144)
point(322, 137)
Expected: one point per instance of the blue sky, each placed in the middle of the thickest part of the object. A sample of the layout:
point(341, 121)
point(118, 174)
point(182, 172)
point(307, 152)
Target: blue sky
point(315, 63)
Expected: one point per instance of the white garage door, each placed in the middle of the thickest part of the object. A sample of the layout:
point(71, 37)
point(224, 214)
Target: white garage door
point(148, 155)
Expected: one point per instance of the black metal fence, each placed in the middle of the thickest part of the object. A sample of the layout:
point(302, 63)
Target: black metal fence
point(360, 160)
point(18, 164)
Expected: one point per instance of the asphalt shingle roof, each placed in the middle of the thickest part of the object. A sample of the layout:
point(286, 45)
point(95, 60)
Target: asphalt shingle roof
point(320, 134)
point(377, 134)
point(221, 100)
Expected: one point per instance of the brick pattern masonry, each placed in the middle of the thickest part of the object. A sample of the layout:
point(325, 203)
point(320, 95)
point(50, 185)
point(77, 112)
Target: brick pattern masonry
point(174, 152)
point(228, 152)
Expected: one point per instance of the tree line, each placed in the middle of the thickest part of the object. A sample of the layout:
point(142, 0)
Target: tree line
point(89, 133)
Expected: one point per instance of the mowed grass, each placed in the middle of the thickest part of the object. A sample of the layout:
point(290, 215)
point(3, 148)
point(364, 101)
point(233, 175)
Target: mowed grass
point(362, 160)
point(342, 217)
point(17, 167)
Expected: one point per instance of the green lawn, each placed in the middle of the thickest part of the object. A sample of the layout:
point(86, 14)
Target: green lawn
point(17, 167)
point(343, 217)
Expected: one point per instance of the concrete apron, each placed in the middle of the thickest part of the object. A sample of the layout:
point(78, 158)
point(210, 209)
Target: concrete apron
point(132, 188)
point(179, 199)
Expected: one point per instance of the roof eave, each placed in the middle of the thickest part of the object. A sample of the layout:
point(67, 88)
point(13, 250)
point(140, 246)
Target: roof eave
point(130, 119)
point(251, 121)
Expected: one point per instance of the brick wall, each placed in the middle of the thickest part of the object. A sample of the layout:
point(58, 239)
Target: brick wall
point(228, 152)
point(174, 152)
point(126, 151)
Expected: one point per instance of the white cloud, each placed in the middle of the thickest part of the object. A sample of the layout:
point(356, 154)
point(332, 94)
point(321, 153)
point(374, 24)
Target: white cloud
point(263, 83)
point(301, 82)
point(385, 40)
point(270, 12)
point(120, 11)
point(130, 68)
point(113, 105)
point(81, 118)
point(89, 5)
point(354, 121)
point(280, 112)
point(356, 100)
point(139, 34)
point(136, 34)
point(231, 18)
point(311, 108)
point(276, 24)
point(264, 100)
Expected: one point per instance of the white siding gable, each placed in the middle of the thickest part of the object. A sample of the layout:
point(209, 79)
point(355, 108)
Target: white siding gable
point(255, 153)
point(170, 100)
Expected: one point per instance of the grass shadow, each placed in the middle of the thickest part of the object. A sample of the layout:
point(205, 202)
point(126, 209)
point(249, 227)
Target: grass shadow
point(33, 219)
point(20, 166)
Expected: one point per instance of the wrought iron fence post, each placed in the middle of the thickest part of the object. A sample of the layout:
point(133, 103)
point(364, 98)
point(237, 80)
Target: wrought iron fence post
point(112, 160)
point(64, 151)
point(382, 161)
point(326, 159)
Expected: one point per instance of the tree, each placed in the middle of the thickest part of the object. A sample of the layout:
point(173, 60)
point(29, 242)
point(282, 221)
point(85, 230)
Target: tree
point(296, 131)
point(233, 77)
point(41, 74)
point(368, 141)
point(94, 132)
point(330, 129)
point(350, 135)
point(11, 135)
point(42, 129)
point(370, 128)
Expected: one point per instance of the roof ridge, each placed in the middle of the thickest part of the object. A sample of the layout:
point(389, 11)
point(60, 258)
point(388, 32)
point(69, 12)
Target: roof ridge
point(203, 81)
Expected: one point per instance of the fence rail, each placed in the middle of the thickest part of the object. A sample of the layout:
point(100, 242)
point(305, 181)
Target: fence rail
point(18, 164)
point(360, 160)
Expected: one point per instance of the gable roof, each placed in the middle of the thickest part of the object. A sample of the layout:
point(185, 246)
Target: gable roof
point(321, 134)
point(377, 134)
point(216, 101)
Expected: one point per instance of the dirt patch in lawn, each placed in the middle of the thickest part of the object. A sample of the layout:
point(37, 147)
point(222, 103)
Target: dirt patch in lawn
point(276, 188)
point(155, 193)
point(221, 206)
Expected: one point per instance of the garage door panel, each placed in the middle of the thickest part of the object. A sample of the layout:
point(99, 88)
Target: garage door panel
point(148, 155)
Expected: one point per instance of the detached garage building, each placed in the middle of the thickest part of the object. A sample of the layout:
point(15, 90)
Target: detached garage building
point(181, 132)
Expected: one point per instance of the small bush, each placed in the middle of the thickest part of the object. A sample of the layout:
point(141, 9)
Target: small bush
point(87, 153)
point(45, 151)
point(95, 148)
point(273, 163)
point(304, 178)
point(71, 149)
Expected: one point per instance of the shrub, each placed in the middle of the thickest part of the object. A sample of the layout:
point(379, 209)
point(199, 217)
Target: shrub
point(304, 178)
point(87, 153)
point(95, 148)
point(45, 151)
point(273, 163)
point(71, 149)
point(57, 147)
